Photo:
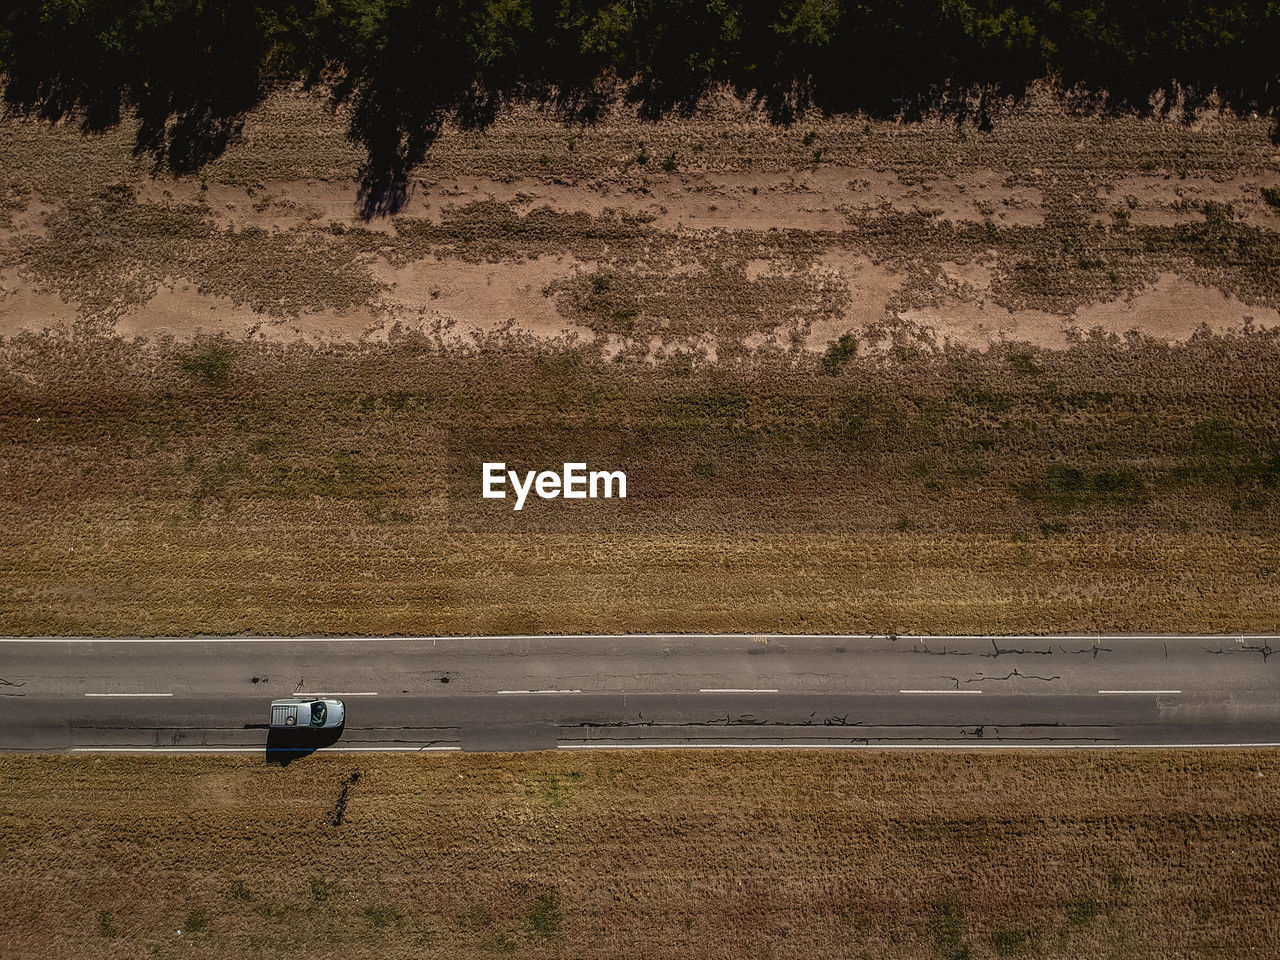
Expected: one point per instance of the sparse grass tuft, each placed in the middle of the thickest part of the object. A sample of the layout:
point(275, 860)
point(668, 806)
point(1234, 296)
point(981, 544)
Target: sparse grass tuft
point(323, 890)
point(107, 924)
point(197, 922)
point(545, 919)
point(949, 930)
point(210, 361)
point(1083, 910)
point(1065, 488)
point(381, 915)
point(1012, 942)
point(555, 789)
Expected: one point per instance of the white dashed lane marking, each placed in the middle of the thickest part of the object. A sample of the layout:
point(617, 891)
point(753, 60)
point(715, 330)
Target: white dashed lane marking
point(738, 690)
point(939, 691)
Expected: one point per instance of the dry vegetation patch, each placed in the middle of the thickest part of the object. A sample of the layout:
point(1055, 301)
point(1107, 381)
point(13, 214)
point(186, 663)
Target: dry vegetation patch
point(787, 855)
point(222, 485)
point(711, 228)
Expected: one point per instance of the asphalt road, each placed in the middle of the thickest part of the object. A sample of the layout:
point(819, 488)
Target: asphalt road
point(576, 693)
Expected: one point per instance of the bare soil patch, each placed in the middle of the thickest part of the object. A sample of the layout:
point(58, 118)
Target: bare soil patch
point(1174, 308)
point(714, 233)
point(979, 324)
point(1166, 200)
point(25, 307)
point(484, 297)
point(871, 287)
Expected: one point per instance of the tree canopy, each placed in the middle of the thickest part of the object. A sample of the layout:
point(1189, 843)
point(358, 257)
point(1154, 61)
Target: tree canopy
point(192, 68)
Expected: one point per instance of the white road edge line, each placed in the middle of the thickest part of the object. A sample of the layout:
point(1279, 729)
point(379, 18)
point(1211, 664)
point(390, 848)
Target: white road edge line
point(128, 694)
point(908, 746)
point(939, 691)
point(370, 693)
point(533, 692)
point(738, 690)
point(1139, 691)
point(909, 638)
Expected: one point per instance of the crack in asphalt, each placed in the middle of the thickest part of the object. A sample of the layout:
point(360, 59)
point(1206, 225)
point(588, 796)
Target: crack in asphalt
point(4, 682)
point(1093, 651)
point(1265, 649)
point(997, 650)
point(982, 678)
point(981, 731)
point(1014, 673)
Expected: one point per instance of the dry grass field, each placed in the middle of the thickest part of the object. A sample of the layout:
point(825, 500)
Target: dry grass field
point(1080, 855)
point(863, 375)
point(227, 486)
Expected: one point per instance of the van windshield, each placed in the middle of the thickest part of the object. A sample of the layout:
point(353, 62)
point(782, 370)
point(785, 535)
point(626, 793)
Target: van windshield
point(318, 714)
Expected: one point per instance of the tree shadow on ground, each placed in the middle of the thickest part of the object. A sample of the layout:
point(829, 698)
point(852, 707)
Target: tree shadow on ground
point(191, 70)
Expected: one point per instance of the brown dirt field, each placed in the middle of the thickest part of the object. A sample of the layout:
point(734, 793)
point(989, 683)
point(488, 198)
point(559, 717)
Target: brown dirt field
point(1162, 200)
point(483, 297)
point(1177, 308)
point(269, 237)
point(1081, 855)
point(24, 308)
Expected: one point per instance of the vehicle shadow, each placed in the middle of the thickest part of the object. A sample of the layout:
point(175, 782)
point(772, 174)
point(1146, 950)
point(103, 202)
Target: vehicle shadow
point(286, 746)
